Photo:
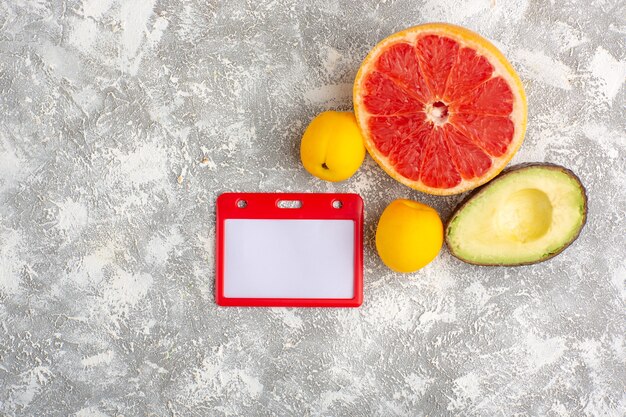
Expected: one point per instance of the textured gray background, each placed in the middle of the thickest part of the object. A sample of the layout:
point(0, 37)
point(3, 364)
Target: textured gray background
point(120, 123)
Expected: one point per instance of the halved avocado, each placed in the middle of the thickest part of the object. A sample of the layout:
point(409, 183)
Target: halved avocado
point(527, 214)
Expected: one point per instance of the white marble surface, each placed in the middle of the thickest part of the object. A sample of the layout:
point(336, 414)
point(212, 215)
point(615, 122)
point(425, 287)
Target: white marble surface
point(120, 123)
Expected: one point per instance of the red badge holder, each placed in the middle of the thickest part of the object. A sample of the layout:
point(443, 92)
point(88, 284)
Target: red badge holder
point(289, 250)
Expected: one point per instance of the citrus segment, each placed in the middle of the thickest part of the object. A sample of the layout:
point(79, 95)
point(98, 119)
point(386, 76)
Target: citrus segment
point(494, 96)
point(469, 159)
point(436, 56)
point(437, 169)
point(394, 136)
point(470, 71)
point(385, 97)
point(399, 62)
point(392, 133)
point(440, 108)
point(491, 133)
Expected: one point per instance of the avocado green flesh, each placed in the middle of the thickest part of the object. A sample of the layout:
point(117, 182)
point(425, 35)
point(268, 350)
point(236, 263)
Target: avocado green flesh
point(525, 215)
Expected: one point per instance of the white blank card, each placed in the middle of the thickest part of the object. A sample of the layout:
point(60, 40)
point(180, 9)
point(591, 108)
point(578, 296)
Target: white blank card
point(288, 258)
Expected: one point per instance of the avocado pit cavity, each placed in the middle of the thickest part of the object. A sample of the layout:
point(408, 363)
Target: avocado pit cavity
point(525, 215)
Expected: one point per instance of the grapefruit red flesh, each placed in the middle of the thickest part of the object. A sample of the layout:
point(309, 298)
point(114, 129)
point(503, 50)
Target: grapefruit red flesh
point(440, 108)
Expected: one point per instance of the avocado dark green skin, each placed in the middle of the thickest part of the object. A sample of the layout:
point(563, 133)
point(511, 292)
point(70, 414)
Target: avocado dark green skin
point(503, 174)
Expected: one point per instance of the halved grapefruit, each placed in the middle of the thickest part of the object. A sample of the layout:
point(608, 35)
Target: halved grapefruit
point(440, 108)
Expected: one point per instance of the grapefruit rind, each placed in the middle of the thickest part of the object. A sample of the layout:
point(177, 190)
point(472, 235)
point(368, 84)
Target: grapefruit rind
point(502, 68)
